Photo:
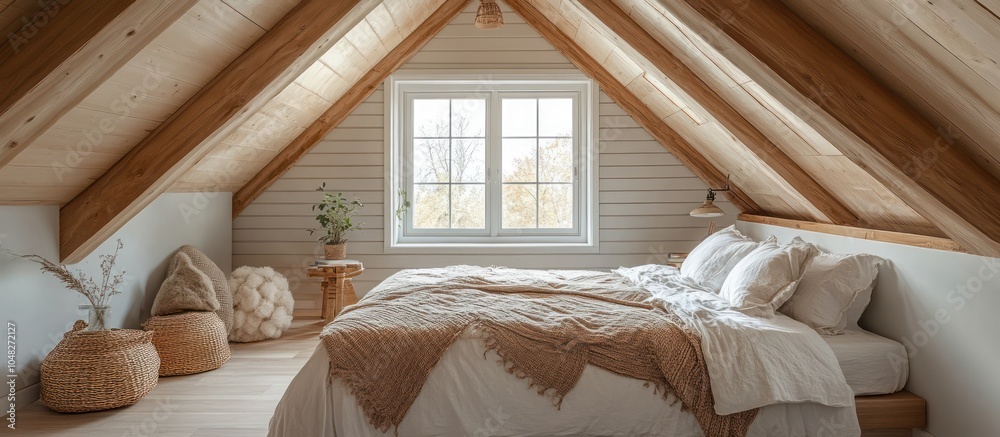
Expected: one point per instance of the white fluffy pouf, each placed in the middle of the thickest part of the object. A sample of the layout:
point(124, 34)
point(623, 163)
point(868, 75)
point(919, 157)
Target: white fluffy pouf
point(262, 304)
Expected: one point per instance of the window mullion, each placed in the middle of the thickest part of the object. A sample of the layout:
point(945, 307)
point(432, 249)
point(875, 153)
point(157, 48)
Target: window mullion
point(494, 132)
point(408, 157)
point(538, 163)
point(451, 143)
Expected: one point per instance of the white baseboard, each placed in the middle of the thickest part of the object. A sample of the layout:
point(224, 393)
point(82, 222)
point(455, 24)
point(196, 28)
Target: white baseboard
point(921, 433)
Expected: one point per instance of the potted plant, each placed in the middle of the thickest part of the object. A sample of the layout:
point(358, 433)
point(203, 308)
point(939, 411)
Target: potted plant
point(334, 220)
point(99, 294)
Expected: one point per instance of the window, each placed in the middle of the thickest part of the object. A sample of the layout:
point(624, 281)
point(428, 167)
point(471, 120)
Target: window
point(491, 162)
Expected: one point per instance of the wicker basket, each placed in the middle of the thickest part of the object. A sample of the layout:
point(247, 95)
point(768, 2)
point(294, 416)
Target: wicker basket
point(92, 371)
point(335, 251)
point(191, 342)
point(489, 16)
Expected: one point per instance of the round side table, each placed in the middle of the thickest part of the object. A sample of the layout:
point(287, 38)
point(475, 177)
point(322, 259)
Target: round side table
point(338, 291)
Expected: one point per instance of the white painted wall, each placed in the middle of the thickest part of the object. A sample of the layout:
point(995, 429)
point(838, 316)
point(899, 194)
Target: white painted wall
point(43, 309)
point(645, 193)
point(943, 307)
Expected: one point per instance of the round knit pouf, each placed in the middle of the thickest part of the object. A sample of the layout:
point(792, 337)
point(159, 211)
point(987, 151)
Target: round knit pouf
point(191, 342)
point(262, 304)
point(91, 371)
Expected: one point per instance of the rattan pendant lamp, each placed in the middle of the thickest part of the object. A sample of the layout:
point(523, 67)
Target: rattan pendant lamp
point(489, 15)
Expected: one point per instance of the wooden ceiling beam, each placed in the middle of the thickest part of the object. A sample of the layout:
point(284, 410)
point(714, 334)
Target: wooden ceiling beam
point(49, 68)
point(270, 64)
point(642, 114)
point(896, 145)
point(346, 104)
point(807, 188)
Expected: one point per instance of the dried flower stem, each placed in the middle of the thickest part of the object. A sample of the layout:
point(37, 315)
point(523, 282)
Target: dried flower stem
point(99, 296)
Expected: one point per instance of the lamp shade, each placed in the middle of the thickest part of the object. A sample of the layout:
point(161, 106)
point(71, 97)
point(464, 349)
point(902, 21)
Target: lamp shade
point(707, 209)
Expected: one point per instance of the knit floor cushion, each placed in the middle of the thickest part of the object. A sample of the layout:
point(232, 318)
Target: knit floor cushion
point(262, 304)
point(219, 282)
point(191, 342)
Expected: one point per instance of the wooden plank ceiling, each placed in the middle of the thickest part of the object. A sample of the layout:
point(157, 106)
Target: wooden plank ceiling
point(716, 91)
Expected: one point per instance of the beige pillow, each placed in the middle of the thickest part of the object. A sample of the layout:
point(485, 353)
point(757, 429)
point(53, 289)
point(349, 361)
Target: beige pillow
point(766, 278)
point(857, 309)
point(220, 282)
point(185, 289)
point(710, 263)
point(831, 285)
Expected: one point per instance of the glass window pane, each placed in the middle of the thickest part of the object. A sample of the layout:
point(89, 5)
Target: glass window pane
point(519, 160)
point(555, 117)
point(468, 206)
point(430, 118)
point(519, 205)
point(468, 118)
point(430, 161)
point(519, 118)
point(555, 160)
point(468, 161)
point(430, 207)
point(555, 206)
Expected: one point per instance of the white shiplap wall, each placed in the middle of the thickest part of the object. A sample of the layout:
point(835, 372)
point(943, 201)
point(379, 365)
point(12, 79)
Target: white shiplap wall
point(645, 193)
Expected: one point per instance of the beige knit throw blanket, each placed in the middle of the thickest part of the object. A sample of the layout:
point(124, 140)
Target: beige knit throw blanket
point(545, 325)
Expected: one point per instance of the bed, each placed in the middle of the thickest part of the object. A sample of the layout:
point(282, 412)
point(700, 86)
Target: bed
point(468, 393)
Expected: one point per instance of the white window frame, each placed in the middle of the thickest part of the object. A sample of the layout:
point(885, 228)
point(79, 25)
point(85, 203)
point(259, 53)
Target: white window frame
point(400, 88)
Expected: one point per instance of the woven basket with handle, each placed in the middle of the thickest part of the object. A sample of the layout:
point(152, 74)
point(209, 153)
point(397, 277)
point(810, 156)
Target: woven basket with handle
point(92, 371)
point(191, 342)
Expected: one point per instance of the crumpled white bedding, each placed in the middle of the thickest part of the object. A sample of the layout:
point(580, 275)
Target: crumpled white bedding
point(752, 361)
point(778, 364)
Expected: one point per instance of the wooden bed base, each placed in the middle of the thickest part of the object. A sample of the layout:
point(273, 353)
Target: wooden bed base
point(892, 415)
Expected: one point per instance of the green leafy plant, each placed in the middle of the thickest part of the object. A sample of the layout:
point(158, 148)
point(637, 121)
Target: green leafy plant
point(404, 204)
point(334, 218)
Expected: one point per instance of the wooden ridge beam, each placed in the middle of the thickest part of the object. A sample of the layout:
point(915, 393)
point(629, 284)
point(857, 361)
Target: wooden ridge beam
point(897, 146)
point(659, 130)
point(809, 190)
point(273, 61)
point(52, 68)
point(903, 238)
point(346, 104)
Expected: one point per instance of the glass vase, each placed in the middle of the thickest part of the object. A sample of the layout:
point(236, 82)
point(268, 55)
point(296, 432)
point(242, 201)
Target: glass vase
point(99, 318)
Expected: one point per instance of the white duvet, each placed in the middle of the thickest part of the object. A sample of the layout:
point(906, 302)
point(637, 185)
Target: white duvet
point(778, 364)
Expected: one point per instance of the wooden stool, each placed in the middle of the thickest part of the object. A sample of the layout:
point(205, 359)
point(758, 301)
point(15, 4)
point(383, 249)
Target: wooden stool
point(337, 286)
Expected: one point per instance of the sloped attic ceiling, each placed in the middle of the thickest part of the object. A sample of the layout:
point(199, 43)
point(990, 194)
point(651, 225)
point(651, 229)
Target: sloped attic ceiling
point(238, 94)
point(942, 57)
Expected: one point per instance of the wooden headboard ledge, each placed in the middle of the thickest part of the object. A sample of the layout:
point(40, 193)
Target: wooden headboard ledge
point(915, 240)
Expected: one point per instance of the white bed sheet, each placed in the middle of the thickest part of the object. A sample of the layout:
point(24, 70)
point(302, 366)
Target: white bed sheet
point(778, 364)
point(872, 364)
point(462, 398)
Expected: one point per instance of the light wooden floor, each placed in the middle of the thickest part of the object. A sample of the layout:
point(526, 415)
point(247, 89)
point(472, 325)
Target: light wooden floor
point(234, 400)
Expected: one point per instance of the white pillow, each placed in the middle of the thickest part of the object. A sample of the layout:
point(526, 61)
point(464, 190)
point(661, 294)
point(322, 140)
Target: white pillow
point(710, 263)
point(767, 277)
point(857, 308)
point(835, 289)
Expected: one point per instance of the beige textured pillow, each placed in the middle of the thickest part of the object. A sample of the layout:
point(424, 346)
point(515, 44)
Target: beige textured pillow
point(185, 289)
point(831, 285)
point(710, 263)
point(766, 278)
point(220, 282)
